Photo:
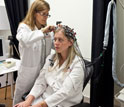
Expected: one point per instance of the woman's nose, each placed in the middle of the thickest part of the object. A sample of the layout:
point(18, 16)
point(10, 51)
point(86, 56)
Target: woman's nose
point(56, 42)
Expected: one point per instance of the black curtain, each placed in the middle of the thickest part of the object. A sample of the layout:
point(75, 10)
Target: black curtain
point(16, 11)
point(102, 85)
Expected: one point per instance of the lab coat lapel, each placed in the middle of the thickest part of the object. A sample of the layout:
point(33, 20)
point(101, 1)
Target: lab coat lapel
point(43, 49)
point(61, 68)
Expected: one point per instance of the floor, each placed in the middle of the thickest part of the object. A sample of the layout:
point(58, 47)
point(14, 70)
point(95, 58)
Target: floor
point(8, 101)
point(117, 104)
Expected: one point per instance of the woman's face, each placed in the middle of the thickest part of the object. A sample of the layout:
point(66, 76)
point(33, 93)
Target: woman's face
point(61, 43)
point(41, 17)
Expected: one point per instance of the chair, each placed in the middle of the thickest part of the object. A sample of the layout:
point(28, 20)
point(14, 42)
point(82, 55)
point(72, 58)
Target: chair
point(82, 105)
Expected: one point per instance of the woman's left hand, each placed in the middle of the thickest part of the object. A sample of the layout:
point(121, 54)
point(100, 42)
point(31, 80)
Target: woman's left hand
point(22, 104)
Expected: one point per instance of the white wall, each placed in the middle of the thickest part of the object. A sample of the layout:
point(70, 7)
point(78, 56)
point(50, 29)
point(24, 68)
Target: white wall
point(5, 33)
point(78, 15)
point(2, 3)
point(120, 44)
point(120, 47)
point(4, 24)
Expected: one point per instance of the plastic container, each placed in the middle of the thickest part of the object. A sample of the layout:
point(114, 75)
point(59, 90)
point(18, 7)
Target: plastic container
point(120, 97)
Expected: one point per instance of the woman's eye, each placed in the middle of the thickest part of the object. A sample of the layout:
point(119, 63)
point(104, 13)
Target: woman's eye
point(54, 40)
point(60, 40)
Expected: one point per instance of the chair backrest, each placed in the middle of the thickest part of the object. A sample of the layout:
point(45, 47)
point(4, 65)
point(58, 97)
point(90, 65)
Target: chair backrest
point(87, 72)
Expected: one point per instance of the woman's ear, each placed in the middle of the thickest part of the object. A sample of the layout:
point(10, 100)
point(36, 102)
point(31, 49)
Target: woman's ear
point(35, 14)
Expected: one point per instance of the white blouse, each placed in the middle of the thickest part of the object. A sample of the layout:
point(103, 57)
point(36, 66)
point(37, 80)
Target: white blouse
point(58, 88)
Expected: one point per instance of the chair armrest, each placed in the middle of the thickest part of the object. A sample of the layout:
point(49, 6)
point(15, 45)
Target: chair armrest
point(2, 105)
point(82, 105)
point(24, 96)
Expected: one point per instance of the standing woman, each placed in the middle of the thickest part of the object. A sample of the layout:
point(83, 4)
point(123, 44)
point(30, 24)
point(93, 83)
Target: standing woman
point(35, 43)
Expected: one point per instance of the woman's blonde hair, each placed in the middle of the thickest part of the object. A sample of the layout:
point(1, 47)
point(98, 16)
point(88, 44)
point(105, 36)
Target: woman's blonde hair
point(72, 51)
point(38, 5)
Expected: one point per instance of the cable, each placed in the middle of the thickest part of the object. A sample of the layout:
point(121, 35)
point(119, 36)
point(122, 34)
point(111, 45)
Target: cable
point(122, 66)
point(17, 51)
point(114, 52)
point(95, 60)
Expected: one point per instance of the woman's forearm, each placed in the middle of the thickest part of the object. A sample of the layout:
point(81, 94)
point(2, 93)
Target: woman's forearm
point(30, 99)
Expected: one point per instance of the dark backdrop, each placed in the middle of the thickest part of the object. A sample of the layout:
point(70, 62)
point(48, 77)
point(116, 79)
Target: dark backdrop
point(102, 85)
point(16, 11)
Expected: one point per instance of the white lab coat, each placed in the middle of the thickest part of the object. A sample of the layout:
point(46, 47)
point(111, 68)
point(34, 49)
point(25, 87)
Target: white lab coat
point(58, 88)
point(31, 44)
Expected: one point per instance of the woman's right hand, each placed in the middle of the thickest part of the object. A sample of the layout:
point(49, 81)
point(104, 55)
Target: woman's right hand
point(48, 29)
point(22, 104)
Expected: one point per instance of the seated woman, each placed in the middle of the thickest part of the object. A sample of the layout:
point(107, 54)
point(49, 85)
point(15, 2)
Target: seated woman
point(60, 82)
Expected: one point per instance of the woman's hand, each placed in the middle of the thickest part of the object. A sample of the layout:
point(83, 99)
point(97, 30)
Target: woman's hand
point(22, 104)
point(42, 104)
point(48, 29)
